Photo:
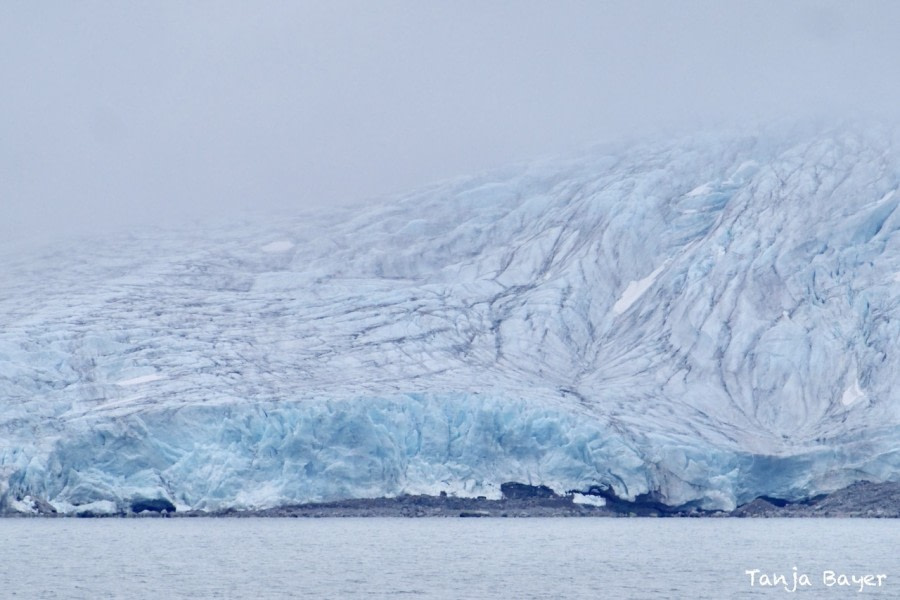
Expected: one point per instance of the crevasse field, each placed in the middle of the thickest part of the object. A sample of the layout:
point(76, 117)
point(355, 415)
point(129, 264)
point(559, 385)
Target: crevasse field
point(706, 319)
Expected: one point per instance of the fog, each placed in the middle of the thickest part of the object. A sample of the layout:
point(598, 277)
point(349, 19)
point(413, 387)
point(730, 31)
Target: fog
point(124, 114)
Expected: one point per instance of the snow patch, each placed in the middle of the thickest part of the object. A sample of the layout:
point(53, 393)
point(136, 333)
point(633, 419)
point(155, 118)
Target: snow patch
point(853, 394)
point(635, 289)
point(277, 247)
point(589, 500)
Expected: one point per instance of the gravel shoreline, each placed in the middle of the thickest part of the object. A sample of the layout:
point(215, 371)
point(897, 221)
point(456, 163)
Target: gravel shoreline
point(860, 500)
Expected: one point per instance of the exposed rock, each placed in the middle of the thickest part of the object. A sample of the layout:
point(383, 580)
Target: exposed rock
point(759, 507)
point(861, 499)
point(27, 505)
point(514, 490)
point(158, 505)
point(779, 502)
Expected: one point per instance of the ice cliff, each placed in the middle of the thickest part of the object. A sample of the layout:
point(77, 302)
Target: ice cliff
point(706, 319)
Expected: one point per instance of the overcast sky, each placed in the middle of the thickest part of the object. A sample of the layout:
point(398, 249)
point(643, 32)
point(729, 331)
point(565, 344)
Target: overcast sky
point(120, 113)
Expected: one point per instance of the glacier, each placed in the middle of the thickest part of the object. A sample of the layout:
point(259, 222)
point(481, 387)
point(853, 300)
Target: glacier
point(703, 320)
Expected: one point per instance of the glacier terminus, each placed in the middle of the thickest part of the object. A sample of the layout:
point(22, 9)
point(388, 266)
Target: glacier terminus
point(700, 320)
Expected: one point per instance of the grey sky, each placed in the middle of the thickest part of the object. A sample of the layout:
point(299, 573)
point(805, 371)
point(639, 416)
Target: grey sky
point(116, 113)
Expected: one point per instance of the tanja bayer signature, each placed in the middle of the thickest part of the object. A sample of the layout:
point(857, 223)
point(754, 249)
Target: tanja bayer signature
point(795, 580)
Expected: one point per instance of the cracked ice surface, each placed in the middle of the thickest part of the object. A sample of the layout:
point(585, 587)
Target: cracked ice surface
point(707, 319)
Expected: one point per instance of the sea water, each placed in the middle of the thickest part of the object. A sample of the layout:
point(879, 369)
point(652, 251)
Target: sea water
point(448, 558)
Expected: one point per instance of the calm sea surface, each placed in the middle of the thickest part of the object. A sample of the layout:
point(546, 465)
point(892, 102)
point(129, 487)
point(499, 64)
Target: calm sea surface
point(443, 558)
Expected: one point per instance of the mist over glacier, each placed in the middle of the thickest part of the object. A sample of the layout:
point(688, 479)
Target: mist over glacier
point(704, 319)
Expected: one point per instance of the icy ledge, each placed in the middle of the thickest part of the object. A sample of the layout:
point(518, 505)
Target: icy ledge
point(254, 456)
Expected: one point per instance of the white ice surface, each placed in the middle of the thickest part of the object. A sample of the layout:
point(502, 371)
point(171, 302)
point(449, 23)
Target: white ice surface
point(24, 506)
point(141, 379)
point(278, 246)
point(701, 190)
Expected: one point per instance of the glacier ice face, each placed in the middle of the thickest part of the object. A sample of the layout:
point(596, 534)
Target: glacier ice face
point(706, 320)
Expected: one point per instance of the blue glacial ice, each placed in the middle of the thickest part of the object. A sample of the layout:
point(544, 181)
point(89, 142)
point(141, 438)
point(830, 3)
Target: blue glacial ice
point(706, 319)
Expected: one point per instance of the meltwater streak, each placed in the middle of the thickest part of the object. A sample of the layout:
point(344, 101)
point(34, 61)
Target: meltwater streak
point(438, 558)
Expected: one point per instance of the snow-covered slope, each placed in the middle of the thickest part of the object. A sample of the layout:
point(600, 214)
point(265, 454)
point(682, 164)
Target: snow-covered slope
point(707, 319)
